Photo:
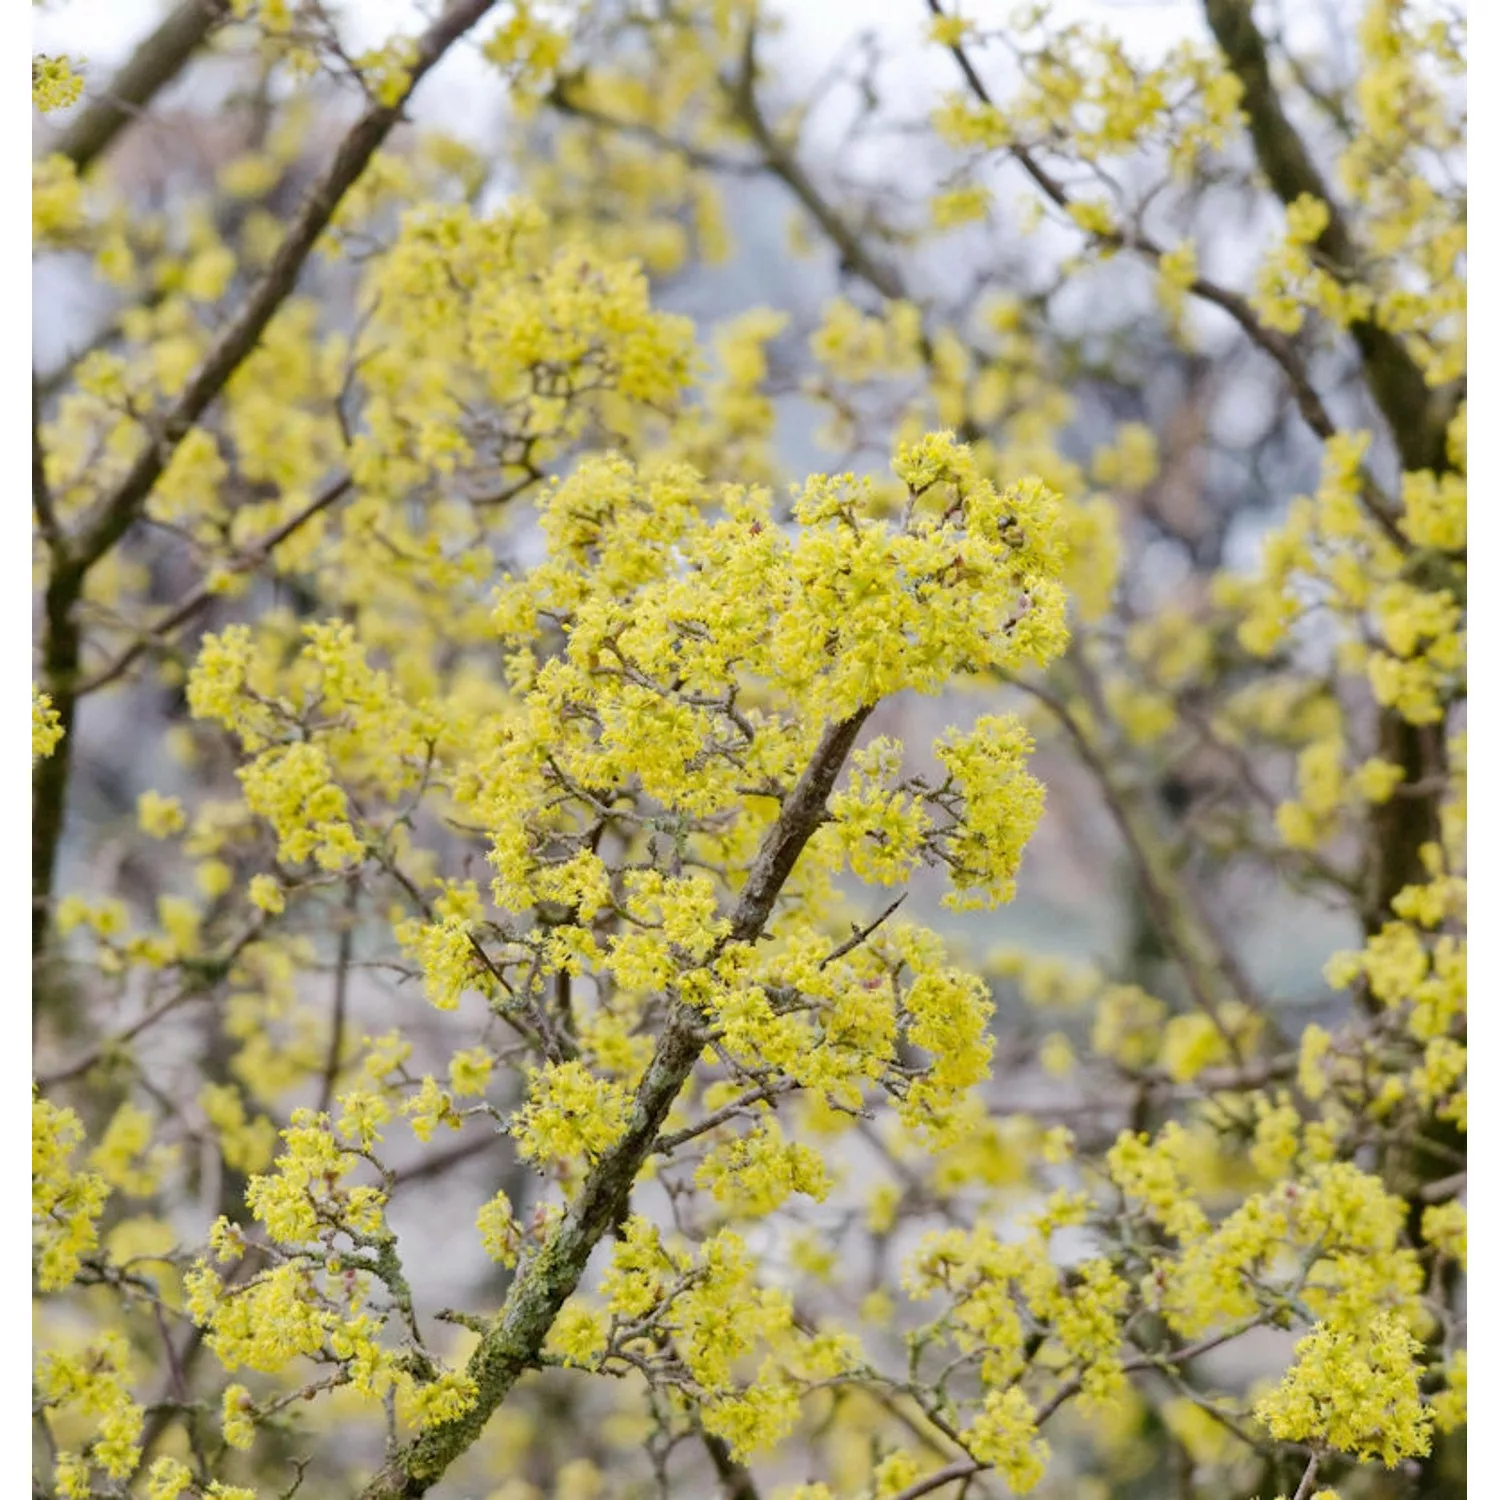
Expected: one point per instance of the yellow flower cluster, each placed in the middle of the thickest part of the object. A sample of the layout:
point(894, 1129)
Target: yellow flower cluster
point(724, 1323)
point(1355, 1391)
point(1080, 85)
point(46, 727)
point(386, 71)
point(54, 84)
point(1004, 1434)
point(487, 310)
point(1001, 805)
point(854, 346)
point(65, 1204)
point(305, 1194)
point(569, 1113)
point(1008, 1308)
point(822, 626)
point(755, 1174)
point(1291, 282)
point(527, 50)
point(1332, 546)
point(1421, 979)
point(498, 1230)
point(95, 1382)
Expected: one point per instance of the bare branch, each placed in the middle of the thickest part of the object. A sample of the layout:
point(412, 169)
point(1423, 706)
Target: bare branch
point(203, 595)
point(1416, 414)
point(710, 161)
point(1211, 972)
point(784, 164)
point(152, 66)
point(1444, 1188)
point(61, 642)
point(436, 1164)
point(41, 493)
point(960, 1468)
point(240, 336)
point(96, 1055)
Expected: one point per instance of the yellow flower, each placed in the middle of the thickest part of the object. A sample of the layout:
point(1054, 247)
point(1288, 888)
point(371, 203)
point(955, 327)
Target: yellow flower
point(1093, 216)
point(1357, 1392)
point(948, 31)
point(498, 1230)
point(959, 206)
point(569, 1112)
point(238, 1417)
point(1005, 1435)
point(54, 84)
point(46, 726)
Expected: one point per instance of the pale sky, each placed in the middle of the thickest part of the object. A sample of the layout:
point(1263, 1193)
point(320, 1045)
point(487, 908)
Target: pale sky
point(103, 32)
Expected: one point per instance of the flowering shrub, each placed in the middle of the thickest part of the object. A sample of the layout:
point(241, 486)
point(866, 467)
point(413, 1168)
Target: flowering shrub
point(541, 887)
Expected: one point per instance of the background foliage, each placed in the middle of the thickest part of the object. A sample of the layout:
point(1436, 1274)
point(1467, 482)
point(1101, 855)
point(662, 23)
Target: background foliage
point(552, 640)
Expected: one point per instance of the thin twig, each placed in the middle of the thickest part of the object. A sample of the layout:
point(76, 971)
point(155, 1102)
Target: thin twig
point(440, 1162)
point(860, 934)
point(96, 1055)
point(961, 1468)
point(710, 161)
point(667, 1144)
point(1277, 345)
point(203, 595)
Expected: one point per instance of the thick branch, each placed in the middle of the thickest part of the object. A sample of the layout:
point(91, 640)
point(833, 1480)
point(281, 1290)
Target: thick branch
point(1415, 413)
point(41, 492)
point(118, 511)
point(1277, 345)
point(334, 1058)
point(514, 1341)
point(152, 66)
point(239, 338)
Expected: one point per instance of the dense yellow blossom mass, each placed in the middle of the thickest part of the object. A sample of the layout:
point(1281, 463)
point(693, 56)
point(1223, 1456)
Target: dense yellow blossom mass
point(524, 994)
